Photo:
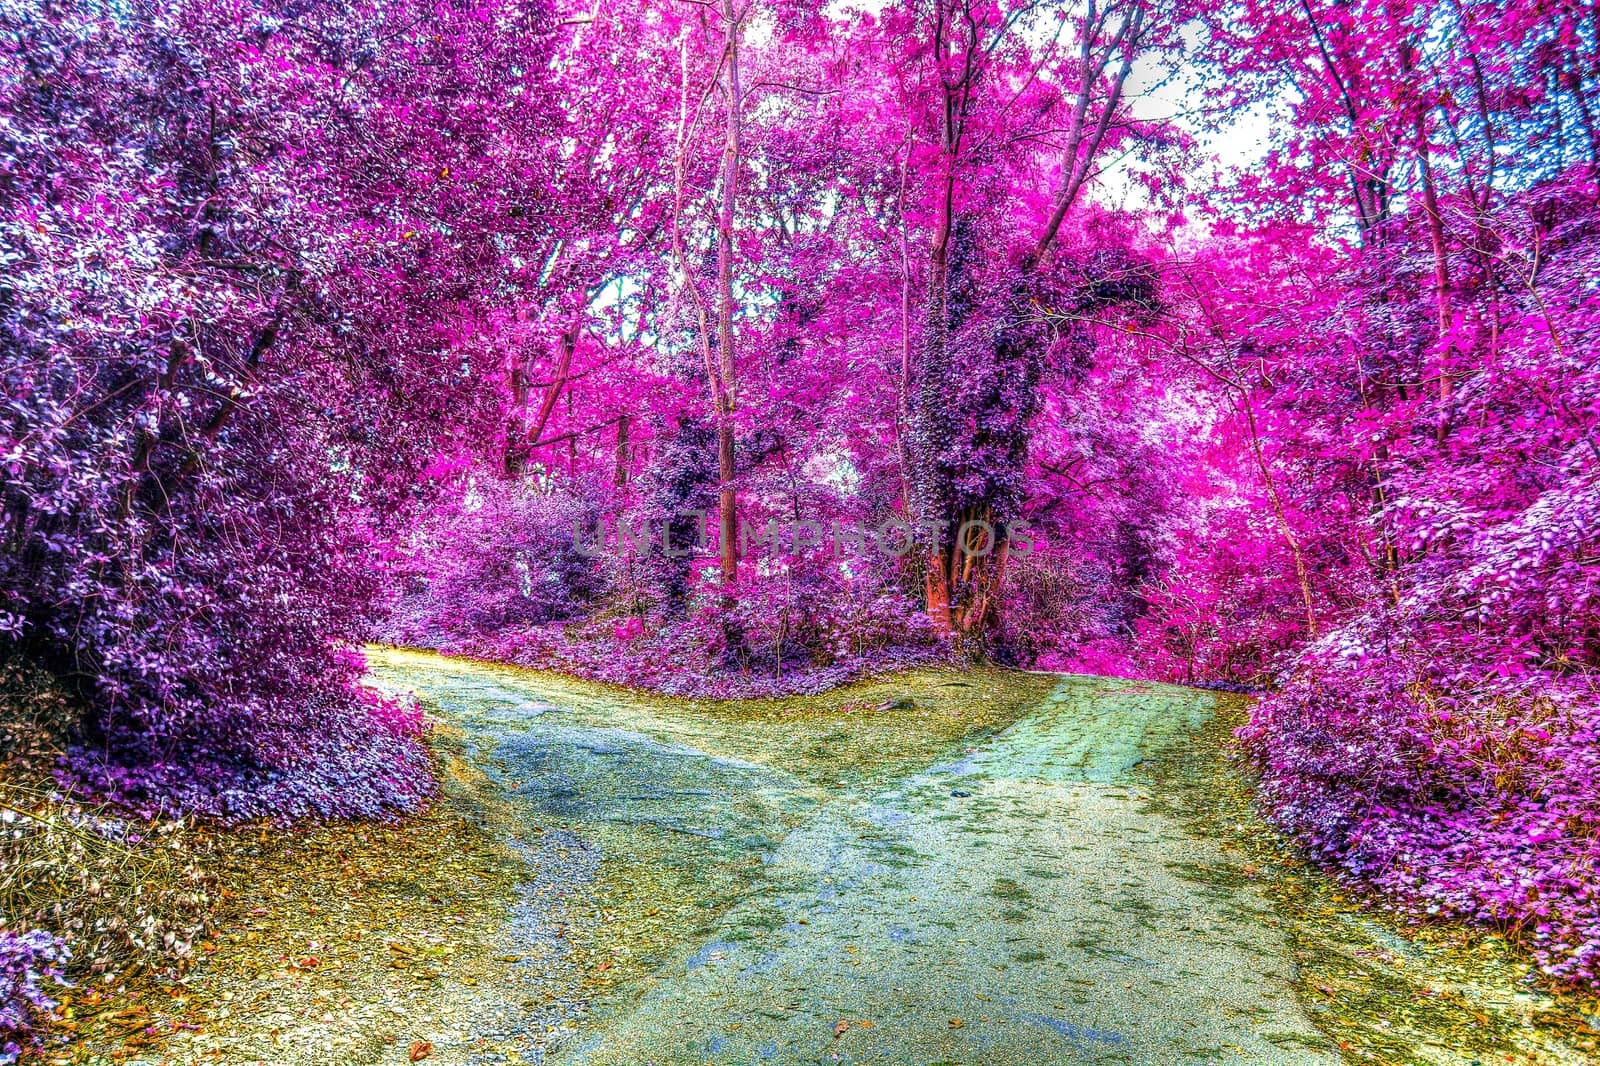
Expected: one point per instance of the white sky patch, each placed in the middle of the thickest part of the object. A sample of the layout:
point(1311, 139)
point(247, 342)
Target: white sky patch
point(1237, 142)
point(839, 9)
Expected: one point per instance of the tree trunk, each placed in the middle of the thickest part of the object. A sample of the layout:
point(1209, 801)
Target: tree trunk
point(624, 457)
point(902, 409)
point(1302, 574)
point(961, 586)
point(720, 364)
point(927, 497)
point(1441, 272)
point(727, 502)
point(515, 455)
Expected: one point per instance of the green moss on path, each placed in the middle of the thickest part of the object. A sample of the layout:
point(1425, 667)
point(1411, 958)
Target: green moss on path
point(684, 800)
point(982, 867)
point(1008, 902)
point(987, 867)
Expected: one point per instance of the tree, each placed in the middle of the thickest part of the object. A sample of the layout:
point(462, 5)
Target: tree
point(982, 87)
point(239, 252)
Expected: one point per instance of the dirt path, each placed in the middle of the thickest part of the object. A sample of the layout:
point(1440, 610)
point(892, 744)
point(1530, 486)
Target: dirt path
point(936, 868)
point(979, 868)
point(1018, 900)
point(1020, 904)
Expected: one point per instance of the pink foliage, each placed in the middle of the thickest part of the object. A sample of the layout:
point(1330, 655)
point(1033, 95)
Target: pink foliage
point(230, 343)
point(325, 322)
point(1419, 394)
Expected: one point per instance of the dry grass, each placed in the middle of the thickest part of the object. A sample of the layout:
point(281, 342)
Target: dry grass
point(323, 944)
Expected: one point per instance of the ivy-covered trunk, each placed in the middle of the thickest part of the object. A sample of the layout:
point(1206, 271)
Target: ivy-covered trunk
point(974, 393)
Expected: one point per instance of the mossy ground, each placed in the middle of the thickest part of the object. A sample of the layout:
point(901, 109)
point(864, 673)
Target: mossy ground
point(350, 931)
point(350, 942)
point(1008, 903)
point(660, 886)
point(1385, 991)
point(353, 943)
point(667, 889)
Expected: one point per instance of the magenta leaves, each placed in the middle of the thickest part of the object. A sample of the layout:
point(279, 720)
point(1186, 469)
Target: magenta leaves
point(326, 321)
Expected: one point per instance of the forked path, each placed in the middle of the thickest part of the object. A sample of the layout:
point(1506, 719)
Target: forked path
point(1024, 899)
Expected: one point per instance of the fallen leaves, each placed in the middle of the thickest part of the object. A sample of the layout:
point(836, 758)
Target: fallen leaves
point(321, 933)
point(420, 1049)
point(842, 1026)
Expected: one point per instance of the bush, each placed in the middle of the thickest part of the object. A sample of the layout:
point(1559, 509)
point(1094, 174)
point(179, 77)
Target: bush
point(500, 556)
point(213, 415)
point(27, 960)
point(1478, 801)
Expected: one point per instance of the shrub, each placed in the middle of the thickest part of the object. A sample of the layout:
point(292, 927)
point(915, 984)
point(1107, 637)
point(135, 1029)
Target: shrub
point(212, 414)
point(500, 556)
point(27, 961)
point(1470, 798)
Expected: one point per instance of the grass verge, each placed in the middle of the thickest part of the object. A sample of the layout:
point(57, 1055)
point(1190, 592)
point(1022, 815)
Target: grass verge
point(1384, 991)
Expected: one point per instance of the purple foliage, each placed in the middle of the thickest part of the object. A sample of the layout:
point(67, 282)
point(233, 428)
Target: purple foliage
point(1439, 746)
point(1468, 801)
point(674, 661)
point(352, 754)
point(228, 346)
point(791, 640)
point(26, 961)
